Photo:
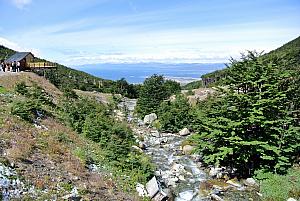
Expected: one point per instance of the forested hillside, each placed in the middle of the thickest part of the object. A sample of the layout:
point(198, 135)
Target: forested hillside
point(290, 52)
point(250, 125)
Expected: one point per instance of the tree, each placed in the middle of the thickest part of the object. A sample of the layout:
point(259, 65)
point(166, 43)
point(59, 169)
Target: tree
point(172, 87)
point(152, 93)
point(175, 115)
point(251, 125)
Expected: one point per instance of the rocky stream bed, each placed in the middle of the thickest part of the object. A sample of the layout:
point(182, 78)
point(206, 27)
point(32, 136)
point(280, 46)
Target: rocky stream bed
point(180, 174)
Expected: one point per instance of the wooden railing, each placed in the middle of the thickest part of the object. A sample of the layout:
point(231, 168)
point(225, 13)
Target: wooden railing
point(41, 65)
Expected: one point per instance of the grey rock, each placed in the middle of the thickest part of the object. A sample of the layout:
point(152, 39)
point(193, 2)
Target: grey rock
point(150, 118)
point(250, 182)
point(187, 149)
point(152, 187)
point(155, 133)
point(216, 197)
point(187, 195)
point(184, 132)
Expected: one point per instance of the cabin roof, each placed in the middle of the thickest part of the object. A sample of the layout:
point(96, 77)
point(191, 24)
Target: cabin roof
point(18, 56)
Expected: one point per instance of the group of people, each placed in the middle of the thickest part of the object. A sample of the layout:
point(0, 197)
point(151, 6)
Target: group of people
point(12, 67)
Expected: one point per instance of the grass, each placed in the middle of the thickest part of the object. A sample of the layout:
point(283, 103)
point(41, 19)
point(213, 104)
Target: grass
point(3, 90)
point(276, 187)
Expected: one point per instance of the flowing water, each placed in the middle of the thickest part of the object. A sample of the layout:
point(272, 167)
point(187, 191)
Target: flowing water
point(175, 171)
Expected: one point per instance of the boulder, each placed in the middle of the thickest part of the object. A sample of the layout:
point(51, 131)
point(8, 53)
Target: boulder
point(187, 149)
point(150, 118)
point(184, 132)
point(250, 182)
point(291, 199)
point(152, 187)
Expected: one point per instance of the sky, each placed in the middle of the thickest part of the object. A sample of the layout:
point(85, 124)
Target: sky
point(76, 32)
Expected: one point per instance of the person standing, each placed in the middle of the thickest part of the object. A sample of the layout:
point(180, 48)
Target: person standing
point(18, 66)
point(2, 65)
point(14, 66)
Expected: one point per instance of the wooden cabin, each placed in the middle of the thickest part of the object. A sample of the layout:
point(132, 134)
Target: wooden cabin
point(27, 62)
point(22, 57)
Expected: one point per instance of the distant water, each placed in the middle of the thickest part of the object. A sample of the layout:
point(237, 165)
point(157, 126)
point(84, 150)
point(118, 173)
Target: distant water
point(137, 73)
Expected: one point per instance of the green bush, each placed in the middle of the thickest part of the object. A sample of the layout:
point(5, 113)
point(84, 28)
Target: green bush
point(114, 137)
point(21, 88)
point(27, 109)
point(175, 115)
point(2, 90)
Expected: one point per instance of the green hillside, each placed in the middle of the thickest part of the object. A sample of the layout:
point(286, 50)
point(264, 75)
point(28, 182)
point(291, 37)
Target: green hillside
point(5, 52)
point(289, 52)
point(68, 78)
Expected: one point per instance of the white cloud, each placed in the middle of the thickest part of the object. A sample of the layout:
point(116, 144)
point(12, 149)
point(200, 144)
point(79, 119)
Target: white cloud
point(21, 3)
point(14, 46)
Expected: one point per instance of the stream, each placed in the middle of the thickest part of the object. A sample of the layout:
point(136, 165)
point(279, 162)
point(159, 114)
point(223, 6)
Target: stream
point(178, 173)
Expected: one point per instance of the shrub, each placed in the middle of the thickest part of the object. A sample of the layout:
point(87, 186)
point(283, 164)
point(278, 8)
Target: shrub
point(2, 90)
point(21, 88)
point(175, 115)
point(27, 110)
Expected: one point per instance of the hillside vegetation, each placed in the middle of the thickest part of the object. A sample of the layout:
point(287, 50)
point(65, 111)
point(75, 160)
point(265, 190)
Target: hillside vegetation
point(58, 141)
point(250, 125)
point(289, 52)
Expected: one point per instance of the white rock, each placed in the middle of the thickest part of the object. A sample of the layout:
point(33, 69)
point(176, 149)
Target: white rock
point(181, 178)
point(250, 182)
point(184, 132)
point(172, 181)
point(140, 188)
point(137, 148)
point(233, 183)
point(213, 172)
point(291, 199)
point(177, 168)
point(152, 187)
point(216, 197)
point(150, 118)
point(155, 133)
point(187, 149)
point(187, 195)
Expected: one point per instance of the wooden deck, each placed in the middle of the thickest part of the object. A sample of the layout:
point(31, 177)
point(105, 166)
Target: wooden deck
point(41, 65)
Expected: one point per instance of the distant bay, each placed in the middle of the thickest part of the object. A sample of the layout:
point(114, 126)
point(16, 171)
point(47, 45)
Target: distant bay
point(138, 72)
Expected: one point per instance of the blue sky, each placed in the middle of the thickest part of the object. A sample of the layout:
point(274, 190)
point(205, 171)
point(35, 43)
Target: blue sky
point(77, 32)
